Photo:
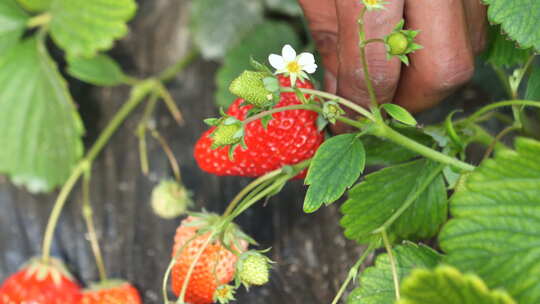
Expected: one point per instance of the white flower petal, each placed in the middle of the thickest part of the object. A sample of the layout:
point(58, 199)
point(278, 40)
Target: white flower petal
point(276, 61)
point(310, 68)
point(288, 53)
point(306, 59)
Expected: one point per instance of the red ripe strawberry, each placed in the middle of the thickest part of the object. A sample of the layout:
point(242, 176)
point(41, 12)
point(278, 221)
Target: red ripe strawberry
point(40, 283)
point(291, 137)
point(214, 268)
point(111, 292)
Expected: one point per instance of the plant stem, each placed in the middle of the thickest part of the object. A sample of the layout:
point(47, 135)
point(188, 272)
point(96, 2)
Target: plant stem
point(497, 138)
point(309, 107)
point(141, 132)
point(395, 276)
point(410, 199)
point(499, 104)
point(138, 93)
point(362, 42)
point(353, 272)
point(192, 267)
point(268, 176)
point(179, 66)
point(90, 227)
point(169, 102)
point(170, 155)
point(353, 106)
point(386, 132)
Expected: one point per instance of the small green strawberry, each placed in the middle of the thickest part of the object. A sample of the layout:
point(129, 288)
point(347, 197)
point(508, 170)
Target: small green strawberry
point(400, 42)
point(331, 111)
point(253, 268)
point(170, 199)
point(397, 43)
point(250, 86)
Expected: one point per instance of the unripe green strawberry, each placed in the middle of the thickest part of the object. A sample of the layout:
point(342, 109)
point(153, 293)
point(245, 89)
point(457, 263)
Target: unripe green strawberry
point(250, 86)
point(226, 134)
point(170, 199)
point(253, 269)
point(331, 111)
point(397, 43)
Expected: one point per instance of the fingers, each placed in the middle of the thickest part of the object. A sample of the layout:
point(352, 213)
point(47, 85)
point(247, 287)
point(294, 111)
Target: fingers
point(447, 58)
point(475, 14)
point(384, 73)
point(323, 24)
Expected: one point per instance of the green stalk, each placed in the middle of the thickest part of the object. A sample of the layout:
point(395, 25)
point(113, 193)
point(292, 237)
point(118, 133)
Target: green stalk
point(499, 104)
point(353, 272)
point(385, 131)
point(138, 93)
point(179, 66)
point(309, 107)
point(395, 276)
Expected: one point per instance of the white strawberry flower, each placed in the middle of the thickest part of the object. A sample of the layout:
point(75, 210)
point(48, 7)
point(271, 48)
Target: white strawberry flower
point(292, 65)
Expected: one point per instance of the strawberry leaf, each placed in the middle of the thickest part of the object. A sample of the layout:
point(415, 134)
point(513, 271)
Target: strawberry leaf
point(99, 70)
point(82, 27)
point(533, 85)
point(35, 5)
point(337, 164)
point(446, 285)
point(376, 285)
point(419, 183)
point(399, 114)
point(495, 230)
point(289, 7)
point(12, 24)
point(219, 25)
point(518, 18)
point(42, 117)
point(503, 52)
point(266, 38)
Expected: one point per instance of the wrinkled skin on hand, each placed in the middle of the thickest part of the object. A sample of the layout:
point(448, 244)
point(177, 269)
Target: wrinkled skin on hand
point(451, 32)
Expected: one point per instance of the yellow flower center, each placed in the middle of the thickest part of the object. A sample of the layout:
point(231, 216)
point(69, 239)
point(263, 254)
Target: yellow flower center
point(293, 67)
point(371, 2)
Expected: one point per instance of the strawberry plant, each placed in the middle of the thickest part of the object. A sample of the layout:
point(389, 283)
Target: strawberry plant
point(439, 226)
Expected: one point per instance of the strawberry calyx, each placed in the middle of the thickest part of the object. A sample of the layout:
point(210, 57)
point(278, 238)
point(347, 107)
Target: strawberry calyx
point(224, 294)
point(42, 270)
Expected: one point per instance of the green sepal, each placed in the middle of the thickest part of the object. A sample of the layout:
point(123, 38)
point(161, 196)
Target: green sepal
point(399, 113)
point(212, 121)
point(260, 66)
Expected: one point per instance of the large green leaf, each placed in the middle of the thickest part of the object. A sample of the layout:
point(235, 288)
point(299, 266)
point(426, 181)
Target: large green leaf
point(265, 39)
point(446, 285)
point(503, 52)
point(338, 163)
point(83, 27)
point(218, 25)
point(533, 85)
point(289, 7)
point(35, 5)
point(496, 227)
point(376, 200)
point(12, 24)
point(376, 282)
point(39, 127)
point(518, 18)
point(99, 70)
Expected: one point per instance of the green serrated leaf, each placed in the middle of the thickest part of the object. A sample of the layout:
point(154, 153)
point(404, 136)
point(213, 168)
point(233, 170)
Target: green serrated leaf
point(446, 285)
point(35, 5)
point(265, 39)
point(39, 118)
point(368, 207)
point(12, 24)
point(337, 164)
point(289, 7)
point(503, 52)
point(376, 284)
point(217, 26)
point(495, 230)
point(399, 114)
point(83, 28)
point(100, 70)
point(518, 18)
point(533, 85)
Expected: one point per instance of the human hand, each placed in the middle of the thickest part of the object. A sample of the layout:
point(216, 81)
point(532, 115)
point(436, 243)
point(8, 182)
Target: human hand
point(451, 32)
